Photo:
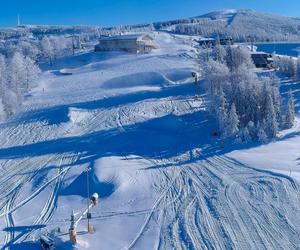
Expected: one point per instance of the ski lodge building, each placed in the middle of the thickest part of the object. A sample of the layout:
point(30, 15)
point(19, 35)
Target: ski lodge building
point(211, 42)
point(262, 59)
point(135, 43)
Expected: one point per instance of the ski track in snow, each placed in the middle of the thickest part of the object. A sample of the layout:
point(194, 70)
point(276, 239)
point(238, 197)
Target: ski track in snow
point(219, 204)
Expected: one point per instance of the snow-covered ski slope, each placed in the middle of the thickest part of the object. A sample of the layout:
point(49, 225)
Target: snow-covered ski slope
point(163, 181)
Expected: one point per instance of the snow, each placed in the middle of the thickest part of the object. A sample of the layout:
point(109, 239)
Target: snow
point(164, 182)
point(281, 155)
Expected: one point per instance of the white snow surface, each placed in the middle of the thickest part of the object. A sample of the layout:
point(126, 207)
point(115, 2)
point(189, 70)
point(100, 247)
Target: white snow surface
point(164, 182)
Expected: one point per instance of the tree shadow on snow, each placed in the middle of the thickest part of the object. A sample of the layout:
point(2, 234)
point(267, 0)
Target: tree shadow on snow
point(23, 228)
point(26, 246)
point(168, 135)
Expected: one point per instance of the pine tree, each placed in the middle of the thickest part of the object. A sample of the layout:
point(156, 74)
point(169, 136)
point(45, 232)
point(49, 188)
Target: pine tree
point(219, 53)
point(244, 135)
point(222, 111)
point(290, 117)
point(47, 49)
point(232, 124)
point(32, 72)
point(271, 125)
point(3, 76)
point(261, 135)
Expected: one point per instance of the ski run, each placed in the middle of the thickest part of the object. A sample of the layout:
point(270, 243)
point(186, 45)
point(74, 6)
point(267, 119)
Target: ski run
point(142, 127)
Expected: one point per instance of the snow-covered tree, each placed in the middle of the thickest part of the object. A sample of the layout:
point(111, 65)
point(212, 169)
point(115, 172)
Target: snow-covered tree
point(232, 122)
point(256, 99)
point(32, 73)
point(261, 134)
point(271, 125)
point(28, 49)
point(217, 74)
point(221, 112)
point(286, 65)
point(219, 53)
point(237, 56)
point(290, 116)
point(17, 74)
point(3, 75)
point(47, 49)
point(252, 129)
point(244, 136)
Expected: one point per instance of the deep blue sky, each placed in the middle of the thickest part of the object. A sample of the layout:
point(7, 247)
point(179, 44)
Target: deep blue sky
point(115, 12)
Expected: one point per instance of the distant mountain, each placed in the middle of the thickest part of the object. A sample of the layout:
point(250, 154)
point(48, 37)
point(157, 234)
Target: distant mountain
point(240, 24)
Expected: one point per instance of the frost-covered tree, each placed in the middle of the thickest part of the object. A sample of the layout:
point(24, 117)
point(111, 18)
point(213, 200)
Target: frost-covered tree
point(261, 134)
point(17, 74)
point(237, 56)
point(271, 125)
point(3, 76)
point(59, 44)
point(221, 112)
point(290, 116)
point(244, 136)
point(28, 49)
point(219, 53)
point(256, 99)
point(232, 122)
point(252, 129)
point(47, 49)
point(32, 73)
point(217, 74)
point(286, 65)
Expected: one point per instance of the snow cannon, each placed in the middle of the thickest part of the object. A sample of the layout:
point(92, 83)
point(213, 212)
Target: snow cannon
point(94, 199)
point(46, 242)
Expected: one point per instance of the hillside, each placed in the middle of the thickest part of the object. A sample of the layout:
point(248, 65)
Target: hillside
point(242, 25)
point(164, 182)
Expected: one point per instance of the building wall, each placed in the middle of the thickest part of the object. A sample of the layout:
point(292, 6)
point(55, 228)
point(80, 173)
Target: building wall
point(129, 45)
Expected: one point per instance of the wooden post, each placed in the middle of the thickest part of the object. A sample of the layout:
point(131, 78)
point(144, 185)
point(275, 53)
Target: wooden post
point(73, 236)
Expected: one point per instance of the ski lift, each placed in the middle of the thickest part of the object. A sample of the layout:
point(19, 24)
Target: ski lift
point(46, 242)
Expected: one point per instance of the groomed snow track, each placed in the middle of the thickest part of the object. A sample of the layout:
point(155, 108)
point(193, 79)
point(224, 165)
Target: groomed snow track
point(219, 203)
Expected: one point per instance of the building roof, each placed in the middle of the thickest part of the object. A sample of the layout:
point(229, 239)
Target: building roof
point(258, 53)
point(259, 58)
point(126, 37)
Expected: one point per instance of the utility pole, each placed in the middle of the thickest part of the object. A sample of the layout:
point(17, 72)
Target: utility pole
point(89, 226)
